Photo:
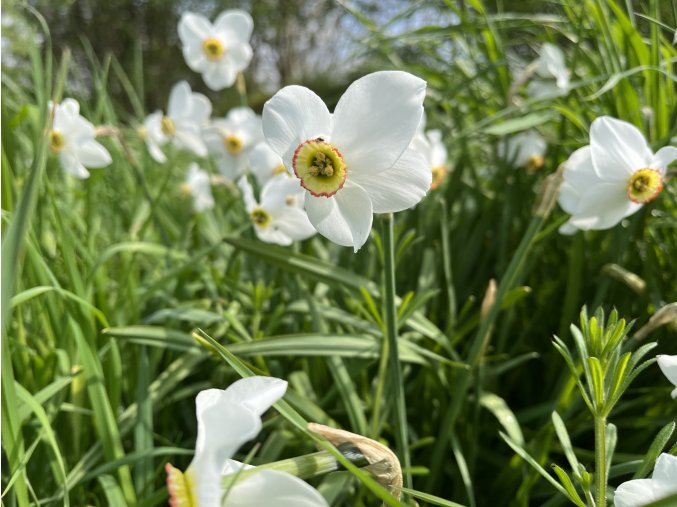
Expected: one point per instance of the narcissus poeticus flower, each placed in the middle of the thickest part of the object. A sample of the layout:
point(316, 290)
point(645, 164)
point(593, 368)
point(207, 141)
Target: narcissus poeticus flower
point(430, 145)
point(187, 113)
point(230, 140)
point(357, 161)
point(72, 139)
point(668, 365)
point(217, 51)
point(279, 217)
point(198, 186)
point(225, 421)
point(611, 178)
point(525, 150)
point(639, 492)
point(552, 75)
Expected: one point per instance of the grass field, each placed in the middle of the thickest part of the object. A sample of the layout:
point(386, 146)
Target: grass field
point(120, 302)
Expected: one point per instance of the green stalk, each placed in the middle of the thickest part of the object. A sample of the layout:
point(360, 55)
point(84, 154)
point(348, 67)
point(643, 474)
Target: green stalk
point(393, 354)
point(600, 461)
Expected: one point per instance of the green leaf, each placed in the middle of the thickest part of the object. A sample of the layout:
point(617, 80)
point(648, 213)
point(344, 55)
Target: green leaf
point(659, 442)
point(520, 124)
point(565, 441)
point(568, 486)
point(497, 406)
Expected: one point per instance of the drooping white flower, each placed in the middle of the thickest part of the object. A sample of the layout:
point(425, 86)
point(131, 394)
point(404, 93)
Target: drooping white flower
point(264, 163)
point(187, 113)
point(552, 75)
point(217, 51)
point(613, 177)
point(226, 419)
point(279, 217)
point(430, 145)
point(198, 185)
point(639, 492)
point(668, 365)
point(72, 139)
point(230, 140)
point(525, 149)
point(357, 161)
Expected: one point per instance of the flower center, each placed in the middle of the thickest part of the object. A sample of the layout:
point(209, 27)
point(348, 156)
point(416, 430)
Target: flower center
point(260, 217)
point(279, 170)
point(439, 173)
point(320, 167)
point(56, 141)
point(213, 49)
point(167, 126)
point(233, 144)
point(534, 163)
point(181, 488)
point(644, 185)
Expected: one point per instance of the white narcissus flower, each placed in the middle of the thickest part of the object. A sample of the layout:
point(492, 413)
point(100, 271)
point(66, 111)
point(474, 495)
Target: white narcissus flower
point(613, 177)
point(226, 419)
point(668, 365)
point(264, 163)
point(217, 51)
point(230, 139)
point(198, 185)
point(357, 161)
point(638, 492)
point(72, 139)
point(187, 113)
point(552, 75)
point(525, 149)
point(279, 217)
point(430, 145)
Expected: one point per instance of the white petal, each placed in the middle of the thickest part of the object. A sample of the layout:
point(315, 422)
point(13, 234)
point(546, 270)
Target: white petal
point(219, 75)
point(579, 175)
point(400, 187)
point(634, 493)
point(194, 26)
point(602, 206)
point(344, 218)
point(190, 140)
point(668, 365)
point(71, 106)
point(93, 154)
point(238, 22)
point(257, 393)
point(294, 115)
point(665, 471)
point(294, 223)
point(262, 486)
point(568, 228)
point(155, 152)
point(663, 158)
point(179, 100)
point(376, 119)
point(247, 194)
point(231, 166)
point(618, 148)
point(275, 192)
point(263, 161)
point(439, 151)
point(272, 234)
point(71, 165)
point(240, 55)
point(200, 109)
point(195, 56)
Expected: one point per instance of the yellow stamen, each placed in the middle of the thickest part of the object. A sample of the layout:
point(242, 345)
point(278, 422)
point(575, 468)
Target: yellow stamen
point(290, 200)
point(320, 167)
point(233, 144)
point(439, 174)
point(181, 488)
point(279, 170)
point(644, 185)
point(185, 189)
point(143, 133)
point(213, 48)
point(167, 126)
point(56, 141)
point(534, 163)
point(260, 217)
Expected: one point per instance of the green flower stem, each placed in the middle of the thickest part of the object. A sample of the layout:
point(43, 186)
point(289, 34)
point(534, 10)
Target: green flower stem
point(396, 385)
point(600, 461)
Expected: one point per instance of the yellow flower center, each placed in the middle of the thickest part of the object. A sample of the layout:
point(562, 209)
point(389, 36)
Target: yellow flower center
point(56, 141)
point(181, 487)
point(167, 126)
point(260, 217)
point(185, 189)
point(439, 174)
point(534, 163)
point(290, 200)
point(644, 185)
point(279, 170)
point(213, 49)
point(320, 167)
point(143, 133)
point(233, 144)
